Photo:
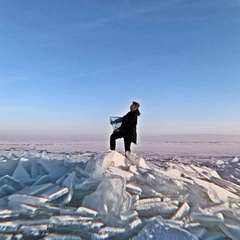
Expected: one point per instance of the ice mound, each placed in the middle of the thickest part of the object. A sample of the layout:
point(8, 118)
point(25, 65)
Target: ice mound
point(116, 197)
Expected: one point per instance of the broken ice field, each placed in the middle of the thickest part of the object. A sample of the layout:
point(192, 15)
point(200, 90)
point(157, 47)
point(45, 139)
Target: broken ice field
point(111, 196)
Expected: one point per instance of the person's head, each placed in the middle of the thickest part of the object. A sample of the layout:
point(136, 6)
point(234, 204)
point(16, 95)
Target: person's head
point(134, 106)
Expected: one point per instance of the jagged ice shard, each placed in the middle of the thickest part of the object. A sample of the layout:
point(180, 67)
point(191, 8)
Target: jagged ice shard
point(111, 196)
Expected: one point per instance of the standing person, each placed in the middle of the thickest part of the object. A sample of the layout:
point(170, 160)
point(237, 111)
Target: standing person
point(128, 128)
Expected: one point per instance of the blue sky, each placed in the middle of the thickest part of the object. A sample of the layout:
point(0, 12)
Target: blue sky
point(66, 66)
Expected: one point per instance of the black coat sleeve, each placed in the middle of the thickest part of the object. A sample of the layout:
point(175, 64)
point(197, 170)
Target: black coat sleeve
point(119, 120)
point(129, 123)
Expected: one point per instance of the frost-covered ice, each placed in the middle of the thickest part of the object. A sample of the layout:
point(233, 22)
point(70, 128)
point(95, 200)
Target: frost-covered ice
point(105, 195)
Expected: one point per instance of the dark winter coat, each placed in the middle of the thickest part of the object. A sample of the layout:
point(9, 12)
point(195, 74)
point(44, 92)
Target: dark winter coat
point(129, 125)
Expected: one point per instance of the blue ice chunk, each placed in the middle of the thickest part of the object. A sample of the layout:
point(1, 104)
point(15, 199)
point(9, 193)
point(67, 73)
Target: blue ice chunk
point(35, 190)
point(7, 166)
point(11, 181)
point(156, 229)
point(6, 190)
point(43, 180)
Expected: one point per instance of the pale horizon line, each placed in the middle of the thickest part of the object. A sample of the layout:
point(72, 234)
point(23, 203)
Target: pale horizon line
point(101, 137)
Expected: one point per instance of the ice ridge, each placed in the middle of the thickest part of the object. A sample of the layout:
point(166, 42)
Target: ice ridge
point(114, 196)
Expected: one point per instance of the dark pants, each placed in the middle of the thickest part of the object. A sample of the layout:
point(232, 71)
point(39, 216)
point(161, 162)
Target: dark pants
point(116, 135)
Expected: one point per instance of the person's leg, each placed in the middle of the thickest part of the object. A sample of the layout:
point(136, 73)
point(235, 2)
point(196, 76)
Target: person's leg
point(114, 136)
point(127, 144)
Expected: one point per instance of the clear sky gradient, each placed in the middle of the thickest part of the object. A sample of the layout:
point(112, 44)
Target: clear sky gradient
point(67, 65)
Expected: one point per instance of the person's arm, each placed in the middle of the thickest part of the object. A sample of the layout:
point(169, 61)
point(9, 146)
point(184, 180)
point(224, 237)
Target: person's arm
point(131, 120)
point(128, 120)
point(119, 120)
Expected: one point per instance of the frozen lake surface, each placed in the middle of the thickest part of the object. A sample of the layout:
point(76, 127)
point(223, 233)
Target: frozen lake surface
point(184, 151)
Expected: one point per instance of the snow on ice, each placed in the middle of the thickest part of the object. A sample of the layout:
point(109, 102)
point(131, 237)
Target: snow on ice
point(110, 196)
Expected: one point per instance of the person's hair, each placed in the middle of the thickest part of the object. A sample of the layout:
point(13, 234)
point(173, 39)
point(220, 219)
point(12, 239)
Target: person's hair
point(136, 104)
